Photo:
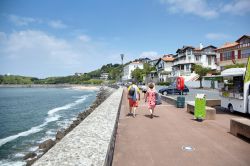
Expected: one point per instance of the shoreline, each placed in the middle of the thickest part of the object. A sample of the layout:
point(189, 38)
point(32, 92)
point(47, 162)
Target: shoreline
point(73, 86)
point(102, 94)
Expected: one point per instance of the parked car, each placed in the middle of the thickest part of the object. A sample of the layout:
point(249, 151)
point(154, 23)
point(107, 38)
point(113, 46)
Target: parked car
point(171, 89)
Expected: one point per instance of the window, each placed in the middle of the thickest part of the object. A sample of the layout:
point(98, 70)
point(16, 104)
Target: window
point(209, 59)
point(227, 55)
point(245, 53)
point(197, 58)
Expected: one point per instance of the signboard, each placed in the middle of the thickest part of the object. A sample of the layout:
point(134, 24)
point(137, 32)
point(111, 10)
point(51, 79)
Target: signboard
point(180, 83)
point(247, 74)
point(200, 106)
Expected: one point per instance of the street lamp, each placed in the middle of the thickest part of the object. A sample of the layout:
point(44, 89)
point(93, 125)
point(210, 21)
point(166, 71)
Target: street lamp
point(122, 56)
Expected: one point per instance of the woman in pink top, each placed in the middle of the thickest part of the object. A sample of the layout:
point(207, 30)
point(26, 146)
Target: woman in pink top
point(151, 99)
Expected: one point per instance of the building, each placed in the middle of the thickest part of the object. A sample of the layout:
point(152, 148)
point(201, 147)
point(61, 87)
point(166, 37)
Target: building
point(153, 61)
point(143, 60)
point(104, 76)
point(127, 70)
point(78, 74)
point(234, 52)
point(187, 56)
point(164, 67)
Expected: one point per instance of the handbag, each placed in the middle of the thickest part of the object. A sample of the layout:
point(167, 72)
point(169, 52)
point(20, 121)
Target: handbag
point(157, 99)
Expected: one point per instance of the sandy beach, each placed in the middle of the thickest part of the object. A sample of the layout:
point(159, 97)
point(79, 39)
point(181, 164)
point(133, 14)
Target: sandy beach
point(82, 87)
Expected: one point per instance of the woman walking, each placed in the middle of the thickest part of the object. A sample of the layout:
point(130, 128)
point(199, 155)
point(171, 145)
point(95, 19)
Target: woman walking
point(151, 99)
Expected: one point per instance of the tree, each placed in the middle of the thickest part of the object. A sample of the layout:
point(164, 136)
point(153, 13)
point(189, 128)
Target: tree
point(147, 68)
point(201, 71)
point(137, 74)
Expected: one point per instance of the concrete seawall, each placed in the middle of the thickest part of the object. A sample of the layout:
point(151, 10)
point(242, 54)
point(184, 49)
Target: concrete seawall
point(92, 141)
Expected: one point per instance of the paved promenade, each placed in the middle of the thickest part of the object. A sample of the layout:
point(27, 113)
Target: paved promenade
point(160, 141)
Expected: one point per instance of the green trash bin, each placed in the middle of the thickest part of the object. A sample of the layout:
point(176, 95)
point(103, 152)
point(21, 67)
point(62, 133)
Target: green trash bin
point(180, 102)
point(199, 108)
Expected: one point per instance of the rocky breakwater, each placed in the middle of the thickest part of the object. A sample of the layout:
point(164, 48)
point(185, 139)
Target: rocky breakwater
point(92, 141)
point(101, 96)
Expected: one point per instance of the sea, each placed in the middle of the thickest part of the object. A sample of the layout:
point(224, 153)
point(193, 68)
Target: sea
point(29, 116)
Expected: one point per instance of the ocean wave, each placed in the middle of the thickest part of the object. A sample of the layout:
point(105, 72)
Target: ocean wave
point(19, 155)
point(51, 117)
point(30, 131)
point(12, 163)
point(68, 106)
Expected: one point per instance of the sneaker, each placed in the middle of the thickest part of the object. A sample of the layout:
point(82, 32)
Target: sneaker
point(134, 115)
point(151, 116)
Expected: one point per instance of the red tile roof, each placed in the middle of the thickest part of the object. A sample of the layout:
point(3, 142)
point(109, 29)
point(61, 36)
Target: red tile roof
point(168, 59)
point(228, 45)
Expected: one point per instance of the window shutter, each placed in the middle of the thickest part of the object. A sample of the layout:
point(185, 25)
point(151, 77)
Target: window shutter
point(221, 57)
point(239, 54)
point(232, 53)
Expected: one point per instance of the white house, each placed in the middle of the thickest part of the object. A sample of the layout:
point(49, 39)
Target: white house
point(127, 70)
point(187, 56)
point(104, 76)
point(164, 67)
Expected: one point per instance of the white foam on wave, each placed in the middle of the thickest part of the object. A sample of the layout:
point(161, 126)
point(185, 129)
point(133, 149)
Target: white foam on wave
point(12, 163)
point(51, 117)
point(19, 155)
point(65, 107)
point(30, 131)
point(51, 132)
point(32, 149)
point(45, 138)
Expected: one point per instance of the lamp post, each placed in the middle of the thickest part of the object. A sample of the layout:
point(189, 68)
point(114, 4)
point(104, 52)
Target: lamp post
point(122, 56)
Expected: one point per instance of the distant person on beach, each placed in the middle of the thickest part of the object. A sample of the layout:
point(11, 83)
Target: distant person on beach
point(151, 99)
point(133, 98)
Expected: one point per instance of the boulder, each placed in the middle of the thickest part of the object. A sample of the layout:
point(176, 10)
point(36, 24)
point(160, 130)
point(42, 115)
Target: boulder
point(59, 135)
point(46, 145)
point(29, 155)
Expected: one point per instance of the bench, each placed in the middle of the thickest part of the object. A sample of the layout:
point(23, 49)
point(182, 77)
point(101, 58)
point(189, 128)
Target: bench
point(240, 126)
point(210, 111)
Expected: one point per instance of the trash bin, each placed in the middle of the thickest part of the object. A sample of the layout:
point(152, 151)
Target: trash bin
point(200, 106)
point(180, 103)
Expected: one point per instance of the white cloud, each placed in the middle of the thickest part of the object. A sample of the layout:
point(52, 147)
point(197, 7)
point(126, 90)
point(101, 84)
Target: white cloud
point(84, 38)
point(57, 24)
point(196, 7)
point(237, 7)
point(36, 53)
point(22, 21)
point(217, 36)
point(149, 54)
point(37, 44)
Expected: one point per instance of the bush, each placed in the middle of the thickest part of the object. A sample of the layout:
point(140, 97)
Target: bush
point(93, 81)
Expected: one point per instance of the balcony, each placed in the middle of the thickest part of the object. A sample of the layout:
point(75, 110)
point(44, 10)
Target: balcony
point(186, 62)
point(204, 53)
point(244, 45)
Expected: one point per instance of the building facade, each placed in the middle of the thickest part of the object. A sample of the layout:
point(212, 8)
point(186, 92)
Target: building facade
point(164, 67)
point(235, 52)
point(127, 70)
point(104, 76)
point(187, 56)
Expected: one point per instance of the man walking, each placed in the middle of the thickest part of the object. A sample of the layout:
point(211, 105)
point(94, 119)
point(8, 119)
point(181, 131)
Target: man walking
point(133, 97)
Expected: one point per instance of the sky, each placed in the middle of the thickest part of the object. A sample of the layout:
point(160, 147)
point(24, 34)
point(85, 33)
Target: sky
point(44, 38)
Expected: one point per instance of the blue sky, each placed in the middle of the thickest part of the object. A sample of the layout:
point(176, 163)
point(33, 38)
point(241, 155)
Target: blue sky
point(60, 37)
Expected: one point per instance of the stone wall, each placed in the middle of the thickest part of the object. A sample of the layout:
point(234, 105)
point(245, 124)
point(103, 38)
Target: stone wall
point(92, 141)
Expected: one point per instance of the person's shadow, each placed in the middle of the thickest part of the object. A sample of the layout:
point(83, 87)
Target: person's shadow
point(149, 116)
